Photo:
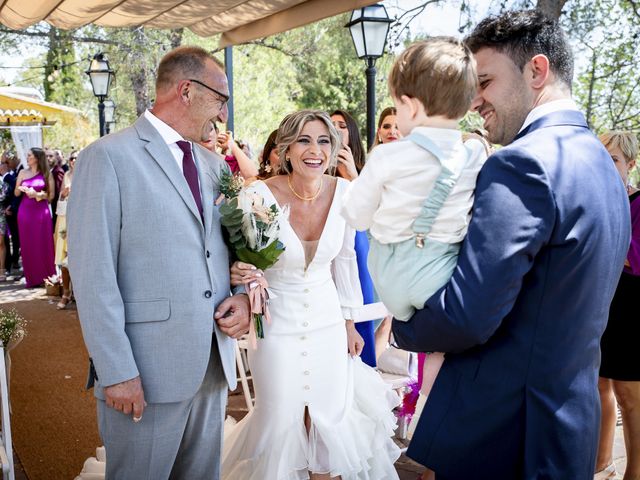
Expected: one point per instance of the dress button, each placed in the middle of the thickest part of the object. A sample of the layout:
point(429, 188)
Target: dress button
point(305, 324)
point(307, 372)
point(303, 337)
point(307, 387)
point(208, 254)
point(306, 305)
point(306, 290)
point(304, 354)
point(207, 294)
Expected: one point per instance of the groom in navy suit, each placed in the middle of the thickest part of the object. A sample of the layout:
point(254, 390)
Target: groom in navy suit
point(522, 316)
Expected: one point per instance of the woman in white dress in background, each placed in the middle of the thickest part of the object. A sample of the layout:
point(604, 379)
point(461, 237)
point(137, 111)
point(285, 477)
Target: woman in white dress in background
point(320, 412)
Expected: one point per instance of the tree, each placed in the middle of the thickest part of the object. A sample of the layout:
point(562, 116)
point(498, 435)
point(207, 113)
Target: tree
point(607, 85)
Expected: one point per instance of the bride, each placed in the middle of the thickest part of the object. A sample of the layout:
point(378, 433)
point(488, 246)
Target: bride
point(320, 412)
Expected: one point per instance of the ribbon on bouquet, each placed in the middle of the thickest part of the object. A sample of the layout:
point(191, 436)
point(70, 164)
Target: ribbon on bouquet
point(258, 294)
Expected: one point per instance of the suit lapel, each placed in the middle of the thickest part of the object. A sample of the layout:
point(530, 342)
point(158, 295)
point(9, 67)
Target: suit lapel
point(160, 152)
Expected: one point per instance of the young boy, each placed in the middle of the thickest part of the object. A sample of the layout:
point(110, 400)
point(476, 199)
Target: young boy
point(415, 195)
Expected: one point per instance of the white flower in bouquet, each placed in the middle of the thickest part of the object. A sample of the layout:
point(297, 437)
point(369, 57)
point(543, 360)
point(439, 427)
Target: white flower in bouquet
point(253, 229)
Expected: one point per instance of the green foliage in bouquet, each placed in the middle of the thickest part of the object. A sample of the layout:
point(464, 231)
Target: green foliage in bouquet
point(232, 220)
point(230, 184)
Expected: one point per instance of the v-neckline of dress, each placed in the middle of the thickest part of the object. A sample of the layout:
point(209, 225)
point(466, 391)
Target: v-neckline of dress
point(295, 234)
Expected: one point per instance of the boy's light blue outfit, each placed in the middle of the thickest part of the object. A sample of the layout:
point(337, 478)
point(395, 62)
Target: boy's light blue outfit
point(405, 274)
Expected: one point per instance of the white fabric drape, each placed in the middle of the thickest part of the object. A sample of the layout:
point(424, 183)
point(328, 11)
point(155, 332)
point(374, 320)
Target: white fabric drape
point(26, 138)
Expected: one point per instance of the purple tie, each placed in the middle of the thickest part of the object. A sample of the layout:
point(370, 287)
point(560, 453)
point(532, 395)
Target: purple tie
point(191, 173)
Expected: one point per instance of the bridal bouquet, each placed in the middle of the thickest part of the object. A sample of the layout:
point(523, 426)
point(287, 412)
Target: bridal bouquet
point(253, 227)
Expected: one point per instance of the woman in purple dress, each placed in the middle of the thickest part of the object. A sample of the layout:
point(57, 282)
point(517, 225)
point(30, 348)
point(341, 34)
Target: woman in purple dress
point(34, 218)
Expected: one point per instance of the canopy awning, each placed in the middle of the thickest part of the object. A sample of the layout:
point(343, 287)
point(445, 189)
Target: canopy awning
point(23, 118)
point(27, 109)
point(237, 20)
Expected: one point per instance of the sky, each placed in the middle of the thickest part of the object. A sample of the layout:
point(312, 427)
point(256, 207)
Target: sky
point(442, 19)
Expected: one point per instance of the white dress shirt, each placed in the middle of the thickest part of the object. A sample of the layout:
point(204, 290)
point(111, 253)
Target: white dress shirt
point(389, 193)
point(547, 108)
point(169, 135)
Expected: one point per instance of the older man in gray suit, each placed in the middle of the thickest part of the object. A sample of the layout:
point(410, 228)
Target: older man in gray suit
point(151, 278)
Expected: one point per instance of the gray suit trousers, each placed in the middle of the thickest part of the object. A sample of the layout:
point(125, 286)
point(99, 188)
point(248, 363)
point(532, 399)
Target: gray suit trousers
point(181, 440)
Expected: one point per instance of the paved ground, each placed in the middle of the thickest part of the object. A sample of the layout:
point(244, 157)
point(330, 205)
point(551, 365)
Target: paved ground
point(407, 470)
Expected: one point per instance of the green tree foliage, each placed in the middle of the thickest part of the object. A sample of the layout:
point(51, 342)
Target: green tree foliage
point(607, 84)
point(62, 76)
point(310, 67)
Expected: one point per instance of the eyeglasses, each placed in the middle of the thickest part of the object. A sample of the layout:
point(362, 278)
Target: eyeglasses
point(224, 98)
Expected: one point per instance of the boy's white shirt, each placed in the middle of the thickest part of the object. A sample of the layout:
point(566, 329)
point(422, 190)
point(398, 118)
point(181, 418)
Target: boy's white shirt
point(389, 193)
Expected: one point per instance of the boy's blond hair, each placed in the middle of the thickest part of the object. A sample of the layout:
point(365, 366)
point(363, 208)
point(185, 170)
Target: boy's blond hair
point(440, 72)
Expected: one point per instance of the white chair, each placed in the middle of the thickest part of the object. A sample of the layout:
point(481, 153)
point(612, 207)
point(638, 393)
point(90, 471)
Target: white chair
point(6, 445)
point(242, 346)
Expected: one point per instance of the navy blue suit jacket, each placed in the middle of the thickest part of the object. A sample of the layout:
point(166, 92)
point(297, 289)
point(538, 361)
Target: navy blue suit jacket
point(522, 316)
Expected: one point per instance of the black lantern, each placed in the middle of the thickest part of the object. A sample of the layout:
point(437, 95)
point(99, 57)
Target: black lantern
point(369, 27)
point(100, 75)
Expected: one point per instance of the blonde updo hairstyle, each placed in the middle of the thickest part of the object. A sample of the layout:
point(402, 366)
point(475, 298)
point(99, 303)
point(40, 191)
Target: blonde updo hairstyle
point(290, 129)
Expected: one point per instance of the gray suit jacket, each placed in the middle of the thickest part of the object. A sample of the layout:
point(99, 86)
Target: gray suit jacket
point(147, 273)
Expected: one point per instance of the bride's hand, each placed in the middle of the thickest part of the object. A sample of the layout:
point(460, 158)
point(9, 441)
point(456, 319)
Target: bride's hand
point(242, 272)
point(354, 340)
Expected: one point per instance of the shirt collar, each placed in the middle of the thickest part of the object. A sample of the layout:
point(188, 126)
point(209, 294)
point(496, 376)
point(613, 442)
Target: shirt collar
point(168, 134)
point(547, 108)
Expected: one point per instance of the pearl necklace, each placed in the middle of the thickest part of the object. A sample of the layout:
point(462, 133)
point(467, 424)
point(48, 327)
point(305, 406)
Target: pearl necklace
point(305, 199)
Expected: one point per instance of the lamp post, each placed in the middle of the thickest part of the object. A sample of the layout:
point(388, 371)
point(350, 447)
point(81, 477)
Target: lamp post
point(100, 75)
point(109, 114)
point(369, 27)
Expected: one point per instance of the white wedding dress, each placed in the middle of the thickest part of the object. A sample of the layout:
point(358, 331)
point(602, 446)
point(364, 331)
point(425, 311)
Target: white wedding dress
point(303, 363)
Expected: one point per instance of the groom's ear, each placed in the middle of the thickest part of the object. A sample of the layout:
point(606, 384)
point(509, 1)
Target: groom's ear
point(538, 71)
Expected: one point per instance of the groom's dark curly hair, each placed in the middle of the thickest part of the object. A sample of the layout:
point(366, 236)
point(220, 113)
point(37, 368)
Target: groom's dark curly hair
point(521, 35)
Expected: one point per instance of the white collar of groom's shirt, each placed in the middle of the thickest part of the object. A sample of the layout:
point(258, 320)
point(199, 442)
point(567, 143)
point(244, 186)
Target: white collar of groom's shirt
point(168, 134)
point(547, 108)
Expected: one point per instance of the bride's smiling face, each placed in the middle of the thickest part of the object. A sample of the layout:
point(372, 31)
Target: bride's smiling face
point(310, 152)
